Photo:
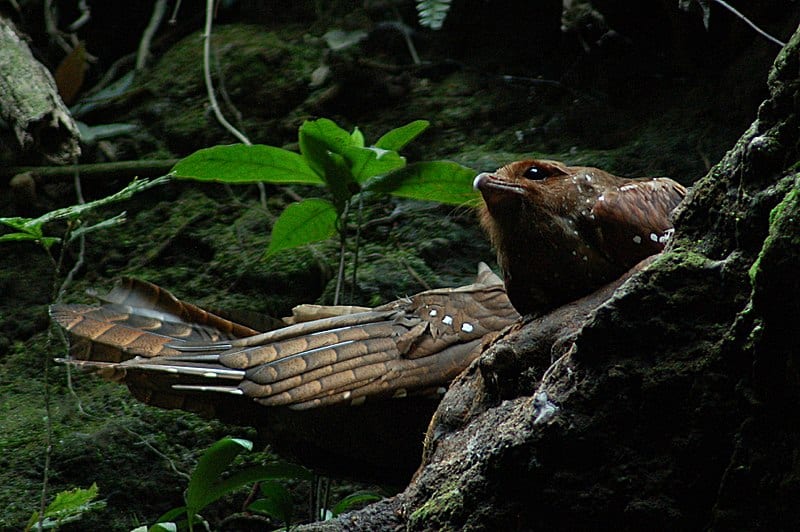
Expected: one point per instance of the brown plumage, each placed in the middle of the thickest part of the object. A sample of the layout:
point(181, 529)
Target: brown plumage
point(173, 354)
point(562, 232)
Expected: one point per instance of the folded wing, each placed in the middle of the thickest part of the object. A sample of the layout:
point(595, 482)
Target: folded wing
point(175, 355)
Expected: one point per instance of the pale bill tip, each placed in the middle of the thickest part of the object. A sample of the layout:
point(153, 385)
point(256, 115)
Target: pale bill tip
point(476, 183)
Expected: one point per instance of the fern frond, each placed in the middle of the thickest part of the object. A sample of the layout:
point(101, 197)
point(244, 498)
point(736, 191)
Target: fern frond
point(432, 13)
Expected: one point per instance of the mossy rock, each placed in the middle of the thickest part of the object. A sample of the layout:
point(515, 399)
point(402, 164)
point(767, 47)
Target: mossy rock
point(265, 74)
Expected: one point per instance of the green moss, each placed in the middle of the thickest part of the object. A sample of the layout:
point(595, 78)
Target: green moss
point(789, 206)
point(679, 258)
point(447, 501)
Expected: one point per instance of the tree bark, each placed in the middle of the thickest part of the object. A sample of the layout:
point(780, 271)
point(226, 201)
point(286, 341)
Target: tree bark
point(675, 405)
point(30, 103)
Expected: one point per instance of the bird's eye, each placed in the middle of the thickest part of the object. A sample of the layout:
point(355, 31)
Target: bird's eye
point(534, 173)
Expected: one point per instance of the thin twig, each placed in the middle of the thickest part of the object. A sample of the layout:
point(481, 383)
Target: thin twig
point(51, 26)
point(174, 18)
point(415, 275)
point(143, 54)
point(86, 16)
point(57, 294)
point(212, 97)
point(81, 245)
point(159, 453)
point(750, 23)
point(406, 32)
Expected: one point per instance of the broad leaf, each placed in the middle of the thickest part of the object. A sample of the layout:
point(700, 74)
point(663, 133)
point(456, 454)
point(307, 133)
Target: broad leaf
point(353, 501)
point(326, 133)
point(442, 181)
point(397, 139)
point(239, 163)
point(71, 501)
point(277, 502)
point(204, 482)
point(370, 162)
point(29, 225)
point(331, 166)
point(302, 223)
point(16, 237)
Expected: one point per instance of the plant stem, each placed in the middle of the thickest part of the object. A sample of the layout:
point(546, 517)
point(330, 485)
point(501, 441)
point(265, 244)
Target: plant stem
point(355, 252)
point(342, 249)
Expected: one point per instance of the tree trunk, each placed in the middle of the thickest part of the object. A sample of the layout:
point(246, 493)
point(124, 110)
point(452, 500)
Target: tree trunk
point(30, 103)
point(676, 403)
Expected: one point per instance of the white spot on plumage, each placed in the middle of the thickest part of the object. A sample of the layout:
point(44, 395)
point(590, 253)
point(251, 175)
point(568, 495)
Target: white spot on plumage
point(441, 390)
point(623, 188)
point(654, 237)
point(447, 320)
point(467, 327)
point(433, 313)
point(601, 197)
point(637, 239)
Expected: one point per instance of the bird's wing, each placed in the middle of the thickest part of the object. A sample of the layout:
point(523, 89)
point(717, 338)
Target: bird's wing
point(635, 218)
point(412, 345)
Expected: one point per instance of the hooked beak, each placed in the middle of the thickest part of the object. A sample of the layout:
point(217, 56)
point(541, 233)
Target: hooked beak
point(496, 192)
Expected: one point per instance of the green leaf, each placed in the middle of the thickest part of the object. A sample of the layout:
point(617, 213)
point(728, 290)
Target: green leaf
point(32, 522)
point(397, 139)
point(327, 130)
point(239, 163)
point(204, 482)
point(22, 224)
point(222, 487)
point(72, 501)
point(175, 519)
point(369, 162)
point(302, 223)
point(167, 526)
point(442, 181)
point(328, 137)
point(277, 502)
point(357, 137)
point(170, 515)
point(16, 237)
point(68, 506)
point(355, 500)
point(331, 166)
